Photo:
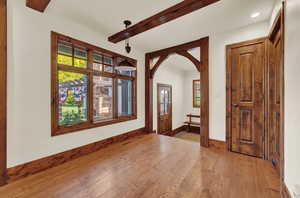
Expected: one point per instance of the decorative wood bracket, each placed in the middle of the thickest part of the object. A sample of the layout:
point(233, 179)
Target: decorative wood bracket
point(186, 54)
point(38, 5)
point(157, 64)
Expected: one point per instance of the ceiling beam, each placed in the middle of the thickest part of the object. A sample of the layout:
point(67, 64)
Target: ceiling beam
point(183, 8)
point(38, 5)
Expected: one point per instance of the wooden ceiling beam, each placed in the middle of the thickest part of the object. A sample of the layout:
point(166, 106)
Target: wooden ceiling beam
point(183, 8)
point(38, 5)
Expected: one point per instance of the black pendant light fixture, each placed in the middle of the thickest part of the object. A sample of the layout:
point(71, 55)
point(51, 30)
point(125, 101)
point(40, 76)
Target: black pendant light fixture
point(125, 65)
point(127, 23)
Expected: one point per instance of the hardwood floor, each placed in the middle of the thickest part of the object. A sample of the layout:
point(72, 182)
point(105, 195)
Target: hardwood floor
point(188, 136)
point(152, 166)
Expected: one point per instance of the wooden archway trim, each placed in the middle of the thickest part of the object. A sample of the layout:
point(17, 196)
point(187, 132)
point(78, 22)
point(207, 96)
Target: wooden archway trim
point(203, 64)
point(186, 54)
point(157, 64)
point(38, 5)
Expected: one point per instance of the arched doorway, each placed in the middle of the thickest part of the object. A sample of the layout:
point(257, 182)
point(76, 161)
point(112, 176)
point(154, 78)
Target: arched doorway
point(201, 65)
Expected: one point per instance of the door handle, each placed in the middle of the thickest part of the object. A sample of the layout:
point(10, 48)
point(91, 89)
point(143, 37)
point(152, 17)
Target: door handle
point(235, 105)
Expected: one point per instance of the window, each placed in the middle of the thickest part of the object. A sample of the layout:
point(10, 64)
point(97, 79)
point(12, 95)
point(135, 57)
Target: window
point(196, 94)
point(87, 91)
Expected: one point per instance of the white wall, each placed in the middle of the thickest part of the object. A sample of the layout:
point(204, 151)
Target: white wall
point(292, 95)
point(217, 71)
point(189, 76)
point(29, 130)
point(166, 74)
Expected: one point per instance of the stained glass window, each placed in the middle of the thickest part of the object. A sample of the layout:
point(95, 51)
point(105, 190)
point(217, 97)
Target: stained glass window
point(72, 98)
point(88, 91)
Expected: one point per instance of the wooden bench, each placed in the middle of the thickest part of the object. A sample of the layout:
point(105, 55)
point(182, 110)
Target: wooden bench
point(190, 122)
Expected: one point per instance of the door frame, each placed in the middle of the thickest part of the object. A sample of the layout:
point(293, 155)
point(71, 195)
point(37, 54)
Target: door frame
point(279, 25)
point(229, 49)
point(203, 68)
point(3, 91)
point(158, 106)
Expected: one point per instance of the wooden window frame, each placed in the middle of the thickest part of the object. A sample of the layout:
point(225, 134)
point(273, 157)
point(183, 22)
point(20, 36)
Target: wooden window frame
point(55, 67)
point(194, 98)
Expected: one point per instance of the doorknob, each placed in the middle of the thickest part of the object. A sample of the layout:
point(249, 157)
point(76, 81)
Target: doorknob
point(235, 105)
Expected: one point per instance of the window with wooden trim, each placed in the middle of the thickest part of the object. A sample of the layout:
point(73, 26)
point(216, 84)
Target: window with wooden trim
point(87, 90)
point(196, 94)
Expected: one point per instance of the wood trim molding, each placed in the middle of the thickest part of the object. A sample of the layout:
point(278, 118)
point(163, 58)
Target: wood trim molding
point(38, 5)
point(203, 43)
point(39, 165)
point(183, 8)
point(217, 144)
point(285, 193)
point(157, 64)
point(3, 90)
point(176, 131)
point(186, 54)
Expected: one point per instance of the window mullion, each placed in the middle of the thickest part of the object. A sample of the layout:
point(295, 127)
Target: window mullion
point(115, 90)
point(90, 86)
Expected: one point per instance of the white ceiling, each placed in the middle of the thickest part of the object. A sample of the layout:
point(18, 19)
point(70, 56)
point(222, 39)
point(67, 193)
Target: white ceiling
point(107, 17)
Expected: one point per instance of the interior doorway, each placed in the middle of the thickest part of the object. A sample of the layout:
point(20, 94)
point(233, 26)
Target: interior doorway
point(202, 67)
point(164, 108)
point(246, 97)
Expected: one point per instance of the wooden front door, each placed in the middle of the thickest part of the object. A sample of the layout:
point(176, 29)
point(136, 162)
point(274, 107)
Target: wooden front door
point(246, 62)
point(276, 96)
point(164, 108)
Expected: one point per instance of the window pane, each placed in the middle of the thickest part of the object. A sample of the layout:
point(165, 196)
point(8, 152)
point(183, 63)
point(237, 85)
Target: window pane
point(80, 53)
point(64, 60)
point(72, 98)
point(103, 98)
point(108, 60)
point(127, 73)
point(108, 69)
point(97, 58)
point(125, 97)
point(80, 63)
point(97, 66)
point(64, 49)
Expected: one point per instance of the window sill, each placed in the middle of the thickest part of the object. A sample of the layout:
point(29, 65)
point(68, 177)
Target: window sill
point(85, 126)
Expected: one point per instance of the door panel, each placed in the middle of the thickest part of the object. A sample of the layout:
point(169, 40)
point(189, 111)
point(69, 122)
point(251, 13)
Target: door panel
point(164, 118)
point(247, 98)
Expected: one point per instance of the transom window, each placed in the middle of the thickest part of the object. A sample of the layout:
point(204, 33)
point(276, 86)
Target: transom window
point(87, 90)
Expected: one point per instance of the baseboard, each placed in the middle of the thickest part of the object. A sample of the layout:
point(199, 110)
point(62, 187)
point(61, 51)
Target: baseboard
point(285, 193)
point(217, 144)
point(176, 131)
point(39, 165)
point(193, 129)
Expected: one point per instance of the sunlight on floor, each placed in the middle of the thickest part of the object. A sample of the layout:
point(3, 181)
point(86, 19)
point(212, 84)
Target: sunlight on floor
point(188, 136)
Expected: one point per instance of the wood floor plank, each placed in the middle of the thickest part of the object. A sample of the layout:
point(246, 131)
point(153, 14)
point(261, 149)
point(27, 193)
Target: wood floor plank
point(152, 166)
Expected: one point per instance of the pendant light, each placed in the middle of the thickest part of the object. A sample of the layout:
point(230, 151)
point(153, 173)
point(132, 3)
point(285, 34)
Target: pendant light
point(125, 65)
